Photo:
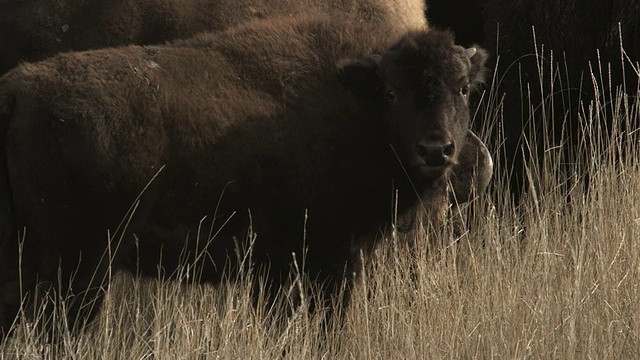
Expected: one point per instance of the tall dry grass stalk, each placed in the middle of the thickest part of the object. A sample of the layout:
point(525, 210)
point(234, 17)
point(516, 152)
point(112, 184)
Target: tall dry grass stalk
point(559, 277)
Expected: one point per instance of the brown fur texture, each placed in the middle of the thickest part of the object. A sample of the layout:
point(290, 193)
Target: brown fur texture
point(32, 30)
point(294, 127)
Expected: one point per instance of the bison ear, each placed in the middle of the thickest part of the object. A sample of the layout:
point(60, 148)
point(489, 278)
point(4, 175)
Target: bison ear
point(478, 59)
point(472, 174)
point(360, 76)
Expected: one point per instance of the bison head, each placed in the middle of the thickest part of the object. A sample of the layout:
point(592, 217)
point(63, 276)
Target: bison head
point(423, 83)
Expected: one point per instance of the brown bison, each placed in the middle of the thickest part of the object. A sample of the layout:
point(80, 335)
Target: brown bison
point(32, 30)
point(300, 129)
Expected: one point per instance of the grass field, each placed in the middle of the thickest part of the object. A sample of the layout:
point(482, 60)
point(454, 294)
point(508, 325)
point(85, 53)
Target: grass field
point(551, 279)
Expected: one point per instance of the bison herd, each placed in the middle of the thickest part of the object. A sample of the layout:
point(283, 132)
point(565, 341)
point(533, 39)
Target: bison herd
point(297, 127)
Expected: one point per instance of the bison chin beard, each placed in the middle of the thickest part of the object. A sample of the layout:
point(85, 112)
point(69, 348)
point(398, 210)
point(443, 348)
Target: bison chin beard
point(432, 173)
point(424, 177)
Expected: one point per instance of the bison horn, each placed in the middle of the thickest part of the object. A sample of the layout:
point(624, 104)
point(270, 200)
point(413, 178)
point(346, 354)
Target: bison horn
point(471, 176)
point(470, 52)
point(376, 58)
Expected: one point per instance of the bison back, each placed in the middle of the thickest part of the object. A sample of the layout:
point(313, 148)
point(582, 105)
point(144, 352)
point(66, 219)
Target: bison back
point(36, 29)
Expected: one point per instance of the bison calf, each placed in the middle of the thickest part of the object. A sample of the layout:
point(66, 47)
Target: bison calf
point(301, 129)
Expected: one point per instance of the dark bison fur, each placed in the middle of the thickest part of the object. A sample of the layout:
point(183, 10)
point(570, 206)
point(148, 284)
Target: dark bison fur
point(32, 30)
point(301, 129)
point(582, 35)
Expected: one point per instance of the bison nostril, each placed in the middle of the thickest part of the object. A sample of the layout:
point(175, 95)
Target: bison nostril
point(449, 150)
point(437, 154)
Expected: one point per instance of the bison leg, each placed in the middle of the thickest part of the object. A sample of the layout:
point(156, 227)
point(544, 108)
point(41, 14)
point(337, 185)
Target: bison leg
point(331, 270)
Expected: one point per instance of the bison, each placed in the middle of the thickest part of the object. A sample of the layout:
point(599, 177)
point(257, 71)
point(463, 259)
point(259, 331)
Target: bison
point(300, 129)
point(32, 30)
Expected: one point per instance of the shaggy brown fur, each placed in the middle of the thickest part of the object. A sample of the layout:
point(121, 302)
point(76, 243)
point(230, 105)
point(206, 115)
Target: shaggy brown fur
point(293, 127)
point(32, 30)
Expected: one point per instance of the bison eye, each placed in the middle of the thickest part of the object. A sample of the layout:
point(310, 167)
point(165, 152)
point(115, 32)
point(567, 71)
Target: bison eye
point(392, 97)
point(464, 91)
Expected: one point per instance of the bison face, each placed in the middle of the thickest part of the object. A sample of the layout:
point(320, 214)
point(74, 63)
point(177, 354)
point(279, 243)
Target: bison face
point(423, 83)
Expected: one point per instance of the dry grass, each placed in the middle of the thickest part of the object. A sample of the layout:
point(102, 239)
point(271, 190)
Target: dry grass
point(554, 279)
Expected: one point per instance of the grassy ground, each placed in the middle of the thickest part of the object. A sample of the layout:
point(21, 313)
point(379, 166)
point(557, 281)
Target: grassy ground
point(552, 279)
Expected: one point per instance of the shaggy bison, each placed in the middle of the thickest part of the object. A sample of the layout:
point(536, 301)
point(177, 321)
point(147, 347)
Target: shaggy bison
point(301, 130)
point(32, 30)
